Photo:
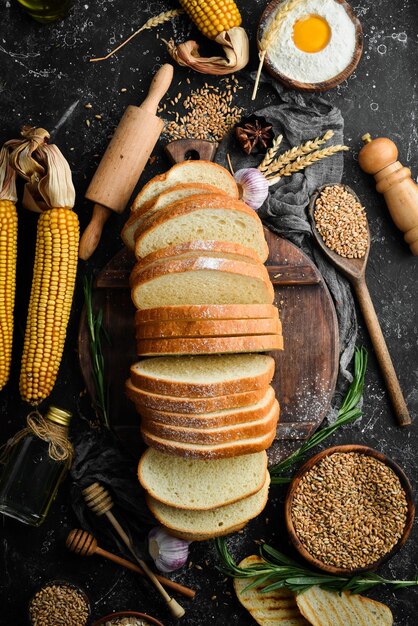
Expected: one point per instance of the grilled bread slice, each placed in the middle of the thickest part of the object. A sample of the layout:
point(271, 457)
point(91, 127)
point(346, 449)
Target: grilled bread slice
point(330, 608)
point(201, 485)
point(276, 608)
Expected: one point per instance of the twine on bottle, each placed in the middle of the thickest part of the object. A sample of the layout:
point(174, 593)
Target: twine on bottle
point(60, 448)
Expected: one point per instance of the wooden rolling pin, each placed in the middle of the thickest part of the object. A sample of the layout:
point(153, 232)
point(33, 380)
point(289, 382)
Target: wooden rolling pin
point(379, 157)
point(124, 160)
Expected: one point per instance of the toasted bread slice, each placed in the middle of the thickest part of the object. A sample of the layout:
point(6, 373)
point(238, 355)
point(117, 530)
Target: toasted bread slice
point(330, 608)
point(277, 608)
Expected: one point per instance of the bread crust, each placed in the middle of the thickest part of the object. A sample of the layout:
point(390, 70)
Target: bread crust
point(202, 390)
point(209, 345)
point(211, 419)
point(207, 311)
point(217, 451)
point(208, 328)
point(215, 435)
point(195, 247)
point(192, 405)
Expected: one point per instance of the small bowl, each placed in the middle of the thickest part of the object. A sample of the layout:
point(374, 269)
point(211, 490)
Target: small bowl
point(327, 84)
point(113, 616)
point(66, 584)
point(295, 482)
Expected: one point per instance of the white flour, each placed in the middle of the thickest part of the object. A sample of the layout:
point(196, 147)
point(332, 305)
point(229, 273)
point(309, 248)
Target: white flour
point(314, 67)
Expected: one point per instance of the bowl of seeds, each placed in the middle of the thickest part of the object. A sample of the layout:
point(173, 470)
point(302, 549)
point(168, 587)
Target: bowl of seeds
point(127, 618)
point(59, 603)
point(349, 509)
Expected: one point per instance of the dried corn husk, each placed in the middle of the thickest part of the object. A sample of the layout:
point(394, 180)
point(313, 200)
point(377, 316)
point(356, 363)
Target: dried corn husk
point(7, 177)
point(234, 43)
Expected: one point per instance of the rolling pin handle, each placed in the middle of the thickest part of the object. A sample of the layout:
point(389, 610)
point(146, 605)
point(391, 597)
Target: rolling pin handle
point(158, 88)
point(91, 236)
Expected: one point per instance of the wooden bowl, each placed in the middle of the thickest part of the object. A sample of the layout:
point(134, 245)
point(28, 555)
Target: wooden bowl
point(113, 616)
point(322, 86)
point(295, 482)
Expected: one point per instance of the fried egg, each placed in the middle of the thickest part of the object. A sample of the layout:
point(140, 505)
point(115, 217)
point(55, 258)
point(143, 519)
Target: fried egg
point(315, 42)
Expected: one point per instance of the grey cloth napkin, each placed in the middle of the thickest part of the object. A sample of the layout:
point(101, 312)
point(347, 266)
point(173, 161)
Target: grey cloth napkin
point(299, 118)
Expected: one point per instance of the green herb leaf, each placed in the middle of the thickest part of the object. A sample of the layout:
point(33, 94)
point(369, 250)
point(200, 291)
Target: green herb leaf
point(347, 414)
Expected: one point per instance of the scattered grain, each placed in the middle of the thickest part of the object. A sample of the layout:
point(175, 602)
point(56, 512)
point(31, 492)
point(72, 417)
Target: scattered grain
point(341, 221)
point(88, 105)
point(349, 510)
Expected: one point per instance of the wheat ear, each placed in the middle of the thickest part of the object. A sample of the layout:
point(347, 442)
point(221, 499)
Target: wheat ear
point(151, 23)
point(305, 161)
point(270, 154)
point(297, 151)
point(268, 36)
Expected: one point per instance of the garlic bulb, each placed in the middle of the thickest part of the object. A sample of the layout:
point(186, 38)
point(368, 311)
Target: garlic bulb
point(253, 186)
point(168, 552)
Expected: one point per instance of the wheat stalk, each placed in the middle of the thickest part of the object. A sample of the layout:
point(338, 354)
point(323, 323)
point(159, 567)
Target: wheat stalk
point(305, 161)
point(268, 36)
point(166, 16)
point(270, 154)
point(294, 153)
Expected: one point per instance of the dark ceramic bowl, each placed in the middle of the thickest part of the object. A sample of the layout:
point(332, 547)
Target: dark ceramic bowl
point(295, 482)
point(112, 616)
point(66, 584)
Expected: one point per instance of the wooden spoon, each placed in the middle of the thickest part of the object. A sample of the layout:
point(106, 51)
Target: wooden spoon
point(354, 270)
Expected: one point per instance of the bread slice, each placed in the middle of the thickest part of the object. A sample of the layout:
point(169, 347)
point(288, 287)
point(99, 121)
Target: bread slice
point(208, 328)
point(219, 434)
point(275, 608)
point(331, 608)
point(202, 281)
point(195, 263)
point(201, 485)
point(204, 536)
point(214, 217)
point(212, 523)
point(187, 172)
point(209, 312)
point(203, 376)
point(191, 405)
point(209, 345)
point(151, 208)
point(220, 249)
point(210, 451)
point(213, 419)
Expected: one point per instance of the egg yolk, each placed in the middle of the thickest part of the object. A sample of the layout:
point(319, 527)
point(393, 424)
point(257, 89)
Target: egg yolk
point(311, 33)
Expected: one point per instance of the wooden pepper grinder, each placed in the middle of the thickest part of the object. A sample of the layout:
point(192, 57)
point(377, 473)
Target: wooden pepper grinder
point(124, 160)
point(379, 157)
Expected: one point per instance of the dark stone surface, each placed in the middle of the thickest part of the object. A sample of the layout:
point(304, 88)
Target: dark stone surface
point(45, 80)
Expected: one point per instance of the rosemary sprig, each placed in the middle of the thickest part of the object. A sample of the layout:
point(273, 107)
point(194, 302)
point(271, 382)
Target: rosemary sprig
point(278, 571)
point(348, 413)
point(96, 330)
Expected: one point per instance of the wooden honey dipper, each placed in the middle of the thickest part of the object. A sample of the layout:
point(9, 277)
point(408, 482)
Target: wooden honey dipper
point(379, 157)
point(84, 543)
point(100, 502)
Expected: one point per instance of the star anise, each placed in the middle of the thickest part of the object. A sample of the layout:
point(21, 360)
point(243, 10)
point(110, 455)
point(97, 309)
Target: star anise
point(254, 134)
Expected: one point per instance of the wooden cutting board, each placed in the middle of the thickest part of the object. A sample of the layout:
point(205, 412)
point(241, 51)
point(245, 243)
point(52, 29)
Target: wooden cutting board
point(306, 371)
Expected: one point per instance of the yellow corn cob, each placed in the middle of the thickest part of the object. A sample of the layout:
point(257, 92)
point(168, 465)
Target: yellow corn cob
point(212, 17)
point(51, 297)
point(8, 254)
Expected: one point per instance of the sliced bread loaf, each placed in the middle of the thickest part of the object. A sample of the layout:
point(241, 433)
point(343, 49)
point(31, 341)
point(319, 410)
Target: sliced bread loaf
point(222, 249)
point(203, 376)
point(213, 419)
point(150, 208)
point(201, 485)
point(209, 312)
point(219, 434)
point(185, 173)
point(208, 328)
point(202, 525)
point(214, 217)
point(209, 345)
point(210, 451)
point(177, 404)
point(201, 281)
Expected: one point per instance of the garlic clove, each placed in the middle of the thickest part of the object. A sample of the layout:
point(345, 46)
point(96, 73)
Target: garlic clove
point(168, 553)
point(253, 186)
